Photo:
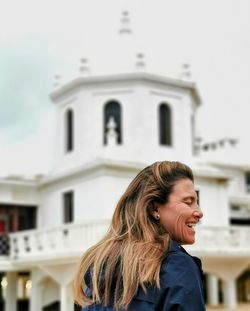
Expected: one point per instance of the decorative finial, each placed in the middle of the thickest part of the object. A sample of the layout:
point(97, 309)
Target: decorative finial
point(57, 81)
point(84, 67)
point(186, 73)
point(125, 23)
point(140, 61)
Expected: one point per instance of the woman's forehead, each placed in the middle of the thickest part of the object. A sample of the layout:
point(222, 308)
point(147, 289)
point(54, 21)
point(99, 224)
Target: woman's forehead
point(184, 186)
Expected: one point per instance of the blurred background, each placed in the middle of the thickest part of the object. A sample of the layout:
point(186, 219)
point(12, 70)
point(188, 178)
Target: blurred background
point(93, 91)
point(41, 39)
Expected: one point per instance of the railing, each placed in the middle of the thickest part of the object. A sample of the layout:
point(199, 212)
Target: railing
point(4, 244)
point(65, 240)
point(72, 239)
point(233, 240)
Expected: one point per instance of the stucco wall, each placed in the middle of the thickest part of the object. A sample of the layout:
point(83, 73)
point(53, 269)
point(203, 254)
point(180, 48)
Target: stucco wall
point(213, 201)
point(140, 123)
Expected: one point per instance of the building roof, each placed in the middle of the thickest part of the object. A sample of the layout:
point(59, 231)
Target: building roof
point(127, 78)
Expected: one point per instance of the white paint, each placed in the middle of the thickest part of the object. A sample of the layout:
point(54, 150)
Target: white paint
point(229, 290)
point(98, 175)
point(212, 290)
point(11, 292)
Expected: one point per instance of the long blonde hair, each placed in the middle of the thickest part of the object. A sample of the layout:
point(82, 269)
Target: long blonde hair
point(135, 243)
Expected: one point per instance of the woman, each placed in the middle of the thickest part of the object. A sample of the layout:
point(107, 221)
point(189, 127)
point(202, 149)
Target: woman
point(139, 265)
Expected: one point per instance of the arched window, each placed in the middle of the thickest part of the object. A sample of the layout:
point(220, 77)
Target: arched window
point(165, 126)
point(112, 111)
point(69, 130)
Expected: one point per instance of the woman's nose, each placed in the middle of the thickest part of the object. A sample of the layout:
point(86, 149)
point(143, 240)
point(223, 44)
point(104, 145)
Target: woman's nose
point(198, 213)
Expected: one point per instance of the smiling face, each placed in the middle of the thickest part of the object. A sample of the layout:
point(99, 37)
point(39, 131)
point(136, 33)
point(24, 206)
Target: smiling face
point(179, 216)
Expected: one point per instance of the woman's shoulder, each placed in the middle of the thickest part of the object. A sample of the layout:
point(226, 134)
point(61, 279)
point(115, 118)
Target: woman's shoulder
point(178, 265)
point(177, 253)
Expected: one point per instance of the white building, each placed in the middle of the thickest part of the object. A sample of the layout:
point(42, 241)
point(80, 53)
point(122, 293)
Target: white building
point(108, 127)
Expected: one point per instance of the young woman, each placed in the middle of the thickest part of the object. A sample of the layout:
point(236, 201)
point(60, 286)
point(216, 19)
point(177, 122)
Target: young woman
point(140, 265)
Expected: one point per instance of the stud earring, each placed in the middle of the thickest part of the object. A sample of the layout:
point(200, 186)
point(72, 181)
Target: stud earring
point(157, 216)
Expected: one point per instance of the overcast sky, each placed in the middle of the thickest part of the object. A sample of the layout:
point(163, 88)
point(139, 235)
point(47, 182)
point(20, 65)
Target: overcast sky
point(41, 38)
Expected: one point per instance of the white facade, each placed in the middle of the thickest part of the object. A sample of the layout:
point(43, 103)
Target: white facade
point(96, 174)
point(139, 95)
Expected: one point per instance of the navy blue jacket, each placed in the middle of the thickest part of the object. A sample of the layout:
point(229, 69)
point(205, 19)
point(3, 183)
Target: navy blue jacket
point(181, 286)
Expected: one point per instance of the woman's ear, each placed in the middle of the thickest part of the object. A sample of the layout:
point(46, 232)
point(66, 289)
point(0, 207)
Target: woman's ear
point(155, 212)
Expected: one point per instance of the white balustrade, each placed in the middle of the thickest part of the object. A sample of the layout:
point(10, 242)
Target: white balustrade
point(222, 240)
point(75, 238)
point(52, 241)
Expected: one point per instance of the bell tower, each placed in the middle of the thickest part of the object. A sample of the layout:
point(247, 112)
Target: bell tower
point(128, 113)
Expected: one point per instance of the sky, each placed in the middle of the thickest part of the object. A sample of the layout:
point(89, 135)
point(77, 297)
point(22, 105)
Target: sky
point(40, 39)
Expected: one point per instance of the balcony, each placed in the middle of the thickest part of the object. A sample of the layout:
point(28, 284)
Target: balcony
point(68, 242)
point(232, 241)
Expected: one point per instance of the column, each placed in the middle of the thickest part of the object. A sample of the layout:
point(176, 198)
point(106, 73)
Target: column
point(70, 298)
point(66, 298)
point(11, 292)
point(63, 295)
point(230, 296)
point(36, 296)
point(212, 290)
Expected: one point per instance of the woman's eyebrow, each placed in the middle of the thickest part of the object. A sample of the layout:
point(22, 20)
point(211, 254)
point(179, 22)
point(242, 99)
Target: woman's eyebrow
point(190, 196)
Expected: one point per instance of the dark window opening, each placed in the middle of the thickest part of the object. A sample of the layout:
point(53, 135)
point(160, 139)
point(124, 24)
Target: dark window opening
point(247, 180)
point(243, 286)
point(69, 130)
point(240, 221)
point(239, 215)
point(68, 205)
point(53, 306)
point(112, 110)
point(236, 208)
point(165, 125)
point(17, 217)
point(14, 218)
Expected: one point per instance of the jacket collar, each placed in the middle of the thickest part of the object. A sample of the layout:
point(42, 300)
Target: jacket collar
point(175, 247)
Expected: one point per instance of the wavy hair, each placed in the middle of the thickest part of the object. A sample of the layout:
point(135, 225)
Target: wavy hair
point(135, 244)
